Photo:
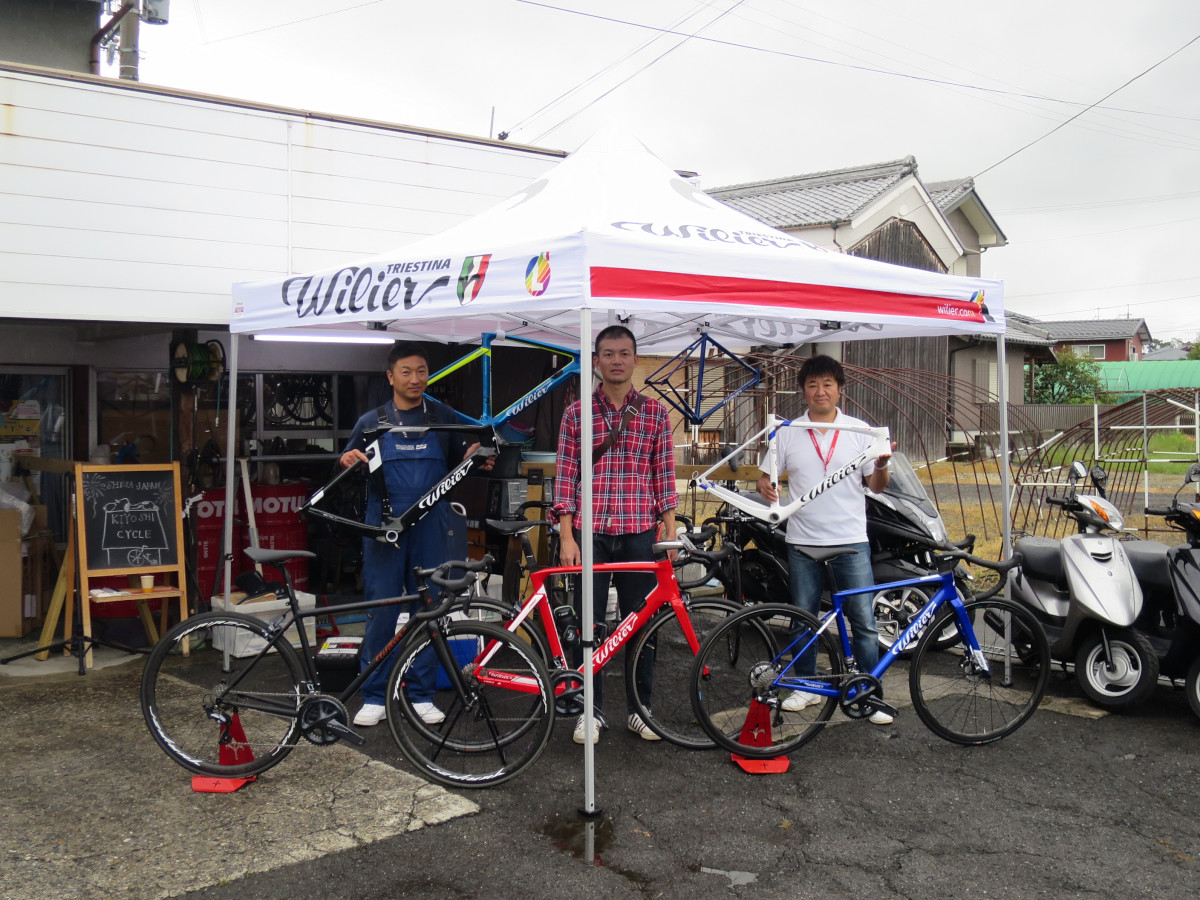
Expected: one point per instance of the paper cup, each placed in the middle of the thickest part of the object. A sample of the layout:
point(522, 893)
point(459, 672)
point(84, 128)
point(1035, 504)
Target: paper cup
point(147, 584)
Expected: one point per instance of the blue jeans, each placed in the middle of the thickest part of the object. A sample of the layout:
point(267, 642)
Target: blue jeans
point(632, 590)
point(850, 571)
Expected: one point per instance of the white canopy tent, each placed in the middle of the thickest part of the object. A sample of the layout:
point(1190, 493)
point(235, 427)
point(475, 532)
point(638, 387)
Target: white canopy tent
point(615, 233)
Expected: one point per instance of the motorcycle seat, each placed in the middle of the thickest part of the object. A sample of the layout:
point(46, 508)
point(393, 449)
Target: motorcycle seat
point(1043, 560)
point(1149, 561)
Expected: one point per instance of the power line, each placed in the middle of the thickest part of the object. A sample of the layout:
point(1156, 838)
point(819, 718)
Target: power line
point(611, 66)
point(1107, 287)
point(1092, 106)
point(860, 68)
point(332, 12)
point(1099, 204)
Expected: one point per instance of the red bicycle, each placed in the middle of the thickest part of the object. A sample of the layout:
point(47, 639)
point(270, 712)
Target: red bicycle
point(670, 626)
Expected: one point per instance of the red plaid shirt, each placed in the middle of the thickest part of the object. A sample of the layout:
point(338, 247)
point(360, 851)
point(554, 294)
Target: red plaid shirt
point(634, 482)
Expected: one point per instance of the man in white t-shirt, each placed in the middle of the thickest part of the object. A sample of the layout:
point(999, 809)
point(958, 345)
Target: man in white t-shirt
point(836, 518)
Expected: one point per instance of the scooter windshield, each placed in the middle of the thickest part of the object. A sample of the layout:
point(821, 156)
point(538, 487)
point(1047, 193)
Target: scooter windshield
point(905, 484)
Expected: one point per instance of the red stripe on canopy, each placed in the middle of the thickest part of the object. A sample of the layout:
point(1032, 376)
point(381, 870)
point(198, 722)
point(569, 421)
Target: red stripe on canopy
point(650, 285)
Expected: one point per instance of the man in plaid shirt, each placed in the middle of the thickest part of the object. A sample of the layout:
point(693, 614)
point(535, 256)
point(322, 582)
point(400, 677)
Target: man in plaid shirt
point(633, 487)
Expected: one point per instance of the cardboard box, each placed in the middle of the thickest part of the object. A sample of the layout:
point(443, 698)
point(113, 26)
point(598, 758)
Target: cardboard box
point(27, 574)
point(267, 608)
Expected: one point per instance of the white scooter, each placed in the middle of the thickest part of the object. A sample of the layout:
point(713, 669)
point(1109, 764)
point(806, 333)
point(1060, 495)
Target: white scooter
point(1085, 593)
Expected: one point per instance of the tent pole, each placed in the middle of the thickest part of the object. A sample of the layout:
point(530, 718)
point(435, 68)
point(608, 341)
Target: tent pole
point(230, 454)
point(1005, 473)
point(585, 552)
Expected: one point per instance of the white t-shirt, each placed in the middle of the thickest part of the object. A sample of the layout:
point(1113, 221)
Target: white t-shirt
point(838, 516)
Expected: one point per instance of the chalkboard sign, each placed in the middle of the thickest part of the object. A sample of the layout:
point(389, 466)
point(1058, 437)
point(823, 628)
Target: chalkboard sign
point(128, 518)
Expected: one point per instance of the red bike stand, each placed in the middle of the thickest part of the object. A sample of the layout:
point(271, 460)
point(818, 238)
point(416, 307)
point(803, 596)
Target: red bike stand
point(756, 732)
point(228, 756)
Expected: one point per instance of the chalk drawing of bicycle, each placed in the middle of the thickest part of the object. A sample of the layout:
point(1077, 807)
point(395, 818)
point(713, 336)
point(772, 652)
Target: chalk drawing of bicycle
point(140, 556)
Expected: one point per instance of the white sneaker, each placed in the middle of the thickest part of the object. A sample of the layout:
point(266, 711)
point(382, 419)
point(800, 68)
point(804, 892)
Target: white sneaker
point(579, 736)
point(641, 729)
point(879, 717)
point(797, 700)
point(370, 714)
point(429, 713)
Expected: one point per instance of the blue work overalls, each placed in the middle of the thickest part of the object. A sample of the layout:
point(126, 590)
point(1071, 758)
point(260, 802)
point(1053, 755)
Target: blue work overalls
point(412, 464)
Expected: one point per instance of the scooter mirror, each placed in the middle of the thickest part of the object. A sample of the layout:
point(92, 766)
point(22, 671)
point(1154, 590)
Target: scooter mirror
point(1078, 470)
point(1193, 473)
point(735, 460)
point(1099, 477)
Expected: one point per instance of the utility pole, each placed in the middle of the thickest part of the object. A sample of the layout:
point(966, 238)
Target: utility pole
point(130, 26)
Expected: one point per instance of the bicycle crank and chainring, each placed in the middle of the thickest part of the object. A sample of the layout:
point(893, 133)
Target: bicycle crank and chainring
point(316, 714)
point(857, 694)
point(570, 701)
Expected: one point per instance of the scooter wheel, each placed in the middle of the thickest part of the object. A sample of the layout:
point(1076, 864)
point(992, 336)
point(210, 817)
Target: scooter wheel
point(1127, 679)
point(1192, 686)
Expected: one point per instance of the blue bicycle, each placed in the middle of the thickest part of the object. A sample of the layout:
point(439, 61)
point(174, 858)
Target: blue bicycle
point(753, 695)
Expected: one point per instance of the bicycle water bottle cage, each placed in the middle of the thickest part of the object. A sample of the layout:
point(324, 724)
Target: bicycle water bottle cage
point(568, 625)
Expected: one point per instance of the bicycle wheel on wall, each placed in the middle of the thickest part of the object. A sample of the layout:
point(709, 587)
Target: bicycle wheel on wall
point(660, 648)
point(226, 722)
point(493, 728)
point(960, 702)
point(744, 691)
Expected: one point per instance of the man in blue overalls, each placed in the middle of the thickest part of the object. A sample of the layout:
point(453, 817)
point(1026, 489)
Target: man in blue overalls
point(412, 464)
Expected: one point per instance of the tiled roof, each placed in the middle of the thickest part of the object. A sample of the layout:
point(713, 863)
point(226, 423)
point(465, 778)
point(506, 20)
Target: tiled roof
point(1019, 329)
point(947, 194)
point(822, 198)
point(1095, 329)
point(1165, 354)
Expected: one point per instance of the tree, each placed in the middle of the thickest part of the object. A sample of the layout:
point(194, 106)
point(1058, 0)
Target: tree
point(1194, 353)
point(1070, 379)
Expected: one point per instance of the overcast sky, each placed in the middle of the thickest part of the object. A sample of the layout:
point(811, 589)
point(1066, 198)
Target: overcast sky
point(1101, 212)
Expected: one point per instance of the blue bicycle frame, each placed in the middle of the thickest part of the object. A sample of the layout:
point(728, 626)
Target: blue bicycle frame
point(946, 593)
point(484, 353)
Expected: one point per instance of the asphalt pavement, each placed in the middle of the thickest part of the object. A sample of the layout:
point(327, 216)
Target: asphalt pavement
point(1075, 804)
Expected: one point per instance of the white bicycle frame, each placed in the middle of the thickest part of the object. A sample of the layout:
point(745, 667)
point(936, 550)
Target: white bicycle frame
point(881, 444)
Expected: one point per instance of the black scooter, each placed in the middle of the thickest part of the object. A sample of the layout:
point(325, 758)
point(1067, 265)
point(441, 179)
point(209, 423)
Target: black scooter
point(1170, 580)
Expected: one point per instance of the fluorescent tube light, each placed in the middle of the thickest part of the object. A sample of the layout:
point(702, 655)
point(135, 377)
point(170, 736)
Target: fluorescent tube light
point(299, 337)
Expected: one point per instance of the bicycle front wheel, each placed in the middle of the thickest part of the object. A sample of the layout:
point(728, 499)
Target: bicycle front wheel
point(496, 704)
point(500, 612)
point(745, 681)
point(962, 700)
point(224, 720)
point(658, 664)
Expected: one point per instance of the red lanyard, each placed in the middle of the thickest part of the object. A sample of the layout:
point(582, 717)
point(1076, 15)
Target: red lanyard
point(812, 434)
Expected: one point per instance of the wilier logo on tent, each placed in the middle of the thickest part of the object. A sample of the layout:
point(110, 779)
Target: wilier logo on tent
point(537, 275)
point(470, 280)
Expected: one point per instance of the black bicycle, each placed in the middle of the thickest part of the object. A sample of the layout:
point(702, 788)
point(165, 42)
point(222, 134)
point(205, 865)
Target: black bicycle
point(238, 706)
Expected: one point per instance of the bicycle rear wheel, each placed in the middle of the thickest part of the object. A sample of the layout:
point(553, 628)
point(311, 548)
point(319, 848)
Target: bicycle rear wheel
point(664, 701)
point(227, 722)
point(744, 681)
point(956, 698)
point(497, 702)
